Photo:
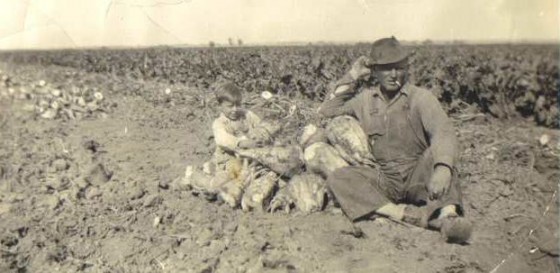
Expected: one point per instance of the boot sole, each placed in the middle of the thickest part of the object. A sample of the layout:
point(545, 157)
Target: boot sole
point(456, 230)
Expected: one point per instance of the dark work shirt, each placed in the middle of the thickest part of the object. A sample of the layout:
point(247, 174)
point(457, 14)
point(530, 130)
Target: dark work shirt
point(399, 130)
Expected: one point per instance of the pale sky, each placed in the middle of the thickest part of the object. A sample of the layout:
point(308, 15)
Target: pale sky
point(28, 24)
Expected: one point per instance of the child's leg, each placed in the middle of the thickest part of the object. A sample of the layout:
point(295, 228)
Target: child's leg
point(209, 167)
point(233, 181)
point(234, 167)
point(197, 180)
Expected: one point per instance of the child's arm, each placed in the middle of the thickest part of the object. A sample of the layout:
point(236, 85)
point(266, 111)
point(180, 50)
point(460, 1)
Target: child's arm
point(223, 138)
point(261, 131)
point(252, 118)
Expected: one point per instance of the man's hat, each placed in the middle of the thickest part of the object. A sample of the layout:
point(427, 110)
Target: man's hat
point(388, 51)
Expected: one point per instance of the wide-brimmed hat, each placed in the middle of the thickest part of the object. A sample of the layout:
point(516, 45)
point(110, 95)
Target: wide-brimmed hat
point(388, 51)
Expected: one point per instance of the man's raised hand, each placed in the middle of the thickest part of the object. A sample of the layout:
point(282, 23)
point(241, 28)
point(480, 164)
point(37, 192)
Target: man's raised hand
point(360, 68)
point(358, 71)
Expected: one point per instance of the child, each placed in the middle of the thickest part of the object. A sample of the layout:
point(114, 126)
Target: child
point(236, 128)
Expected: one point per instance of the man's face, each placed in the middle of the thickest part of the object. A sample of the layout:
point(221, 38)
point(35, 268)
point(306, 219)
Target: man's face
point(230, 110)
point(391, 77)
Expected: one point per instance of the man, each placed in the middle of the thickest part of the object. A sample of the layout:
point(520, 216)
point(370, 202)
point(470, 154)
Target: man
point(412, 139)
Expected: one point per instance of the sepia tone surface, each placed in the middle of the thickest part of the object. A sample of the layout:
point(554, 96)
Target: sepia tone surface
point(93, 141)
point(71, 23)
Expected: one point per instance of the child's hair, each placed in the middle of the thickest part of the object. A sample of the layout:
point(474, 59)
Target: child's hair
point(228, 91)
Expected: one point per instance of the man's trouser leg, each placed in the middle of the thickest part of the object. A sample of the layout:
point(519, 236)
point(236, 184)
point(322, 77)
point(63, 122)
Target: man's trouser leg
point(357, 189)
point(417, 187)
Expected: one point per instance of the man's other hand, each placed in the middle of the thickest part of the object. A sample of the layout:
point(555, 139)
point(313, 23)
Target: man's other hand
point(360, 68)
point(440, 182)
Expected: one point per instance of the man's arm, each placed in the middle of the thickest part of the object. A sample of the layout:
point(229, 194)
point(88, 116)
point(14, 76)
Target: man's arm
point(443, 144)
point(440, 131)
point(336, 103)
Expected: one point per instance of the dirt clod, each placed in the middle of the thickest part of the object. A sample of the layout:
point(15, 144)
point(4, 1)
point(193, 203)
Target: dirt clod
point(152, 200)
point(93, 192)
point(98, 175)
point(60, 164)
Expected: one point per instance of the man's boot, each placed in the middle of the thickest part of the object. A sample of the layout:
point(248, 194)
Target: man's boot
point(455, 229)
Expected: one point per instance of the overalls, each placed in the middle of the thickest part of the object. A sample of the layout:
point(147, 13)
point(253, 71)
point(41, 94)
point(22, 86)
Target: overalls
point(405, 162)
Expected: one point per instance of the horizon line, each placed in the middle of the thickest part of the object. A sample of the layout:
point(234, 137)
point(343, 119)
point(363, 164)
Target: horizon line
point(301, 43)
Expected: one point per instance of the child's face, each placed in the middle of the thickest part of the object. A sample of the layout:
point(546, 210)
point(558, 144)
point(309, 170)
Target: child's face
point(230, 110)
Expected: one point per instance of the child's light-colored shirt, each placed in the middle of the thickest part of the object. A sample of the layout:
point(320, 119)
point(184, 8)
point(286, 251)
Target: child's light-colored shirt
point(228, 133)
